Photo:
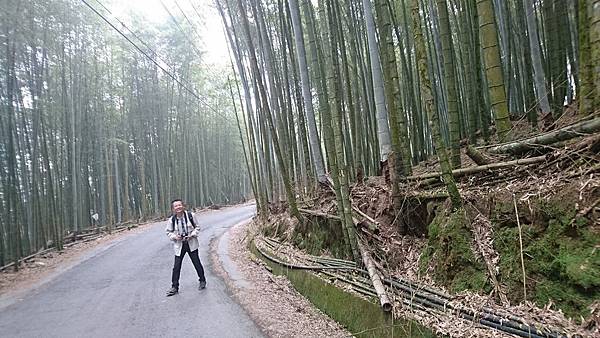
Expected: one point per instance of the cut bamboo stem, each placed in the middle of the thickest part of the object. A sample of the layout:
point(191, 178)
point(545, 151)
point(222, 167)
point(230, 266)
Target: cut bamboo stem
point(386, 305)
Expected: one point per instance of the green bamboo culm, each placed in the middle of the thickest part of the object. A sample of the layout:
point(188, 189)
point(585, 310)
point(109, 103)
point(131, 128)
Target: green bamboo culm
point(493, 67)
point(450, 82)
point(332, 64)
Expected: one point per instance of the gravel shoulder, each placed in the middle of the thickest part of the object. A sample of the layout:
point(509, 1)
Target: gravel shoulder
point(271, 301)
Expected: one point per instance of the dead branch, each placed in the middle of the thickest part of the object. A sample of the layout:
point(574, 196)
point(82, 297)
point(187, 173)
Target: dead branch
point(427, 196)
point(373, 224)
point(587, 210)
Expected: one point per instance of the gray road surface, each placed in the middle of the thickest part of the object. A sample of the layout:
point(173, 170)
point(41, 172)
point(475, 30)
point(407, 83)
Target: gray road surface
point(118, 290)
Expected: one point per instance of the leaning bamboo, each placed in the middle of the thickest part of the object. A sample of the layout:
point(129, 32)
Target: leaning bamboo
point(567, 133)
point(386, 305)
point(473, 170)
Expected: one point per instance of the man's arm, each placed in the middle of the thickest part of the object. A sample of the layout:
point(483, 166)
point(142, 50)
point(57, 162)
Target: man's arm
point(196, 230)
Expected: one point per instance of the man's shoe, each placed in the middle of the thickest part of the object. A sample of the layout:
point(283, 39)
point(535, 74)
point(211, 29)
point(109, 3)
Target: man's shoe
point(172, 291)
point(202, 285)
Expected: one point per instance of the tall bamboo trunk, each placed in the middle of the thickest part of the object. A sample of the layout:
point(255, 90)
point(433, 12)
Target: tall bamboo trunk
point(426, 94)
point(493, 66)
point(315, 143)
point(450, 82)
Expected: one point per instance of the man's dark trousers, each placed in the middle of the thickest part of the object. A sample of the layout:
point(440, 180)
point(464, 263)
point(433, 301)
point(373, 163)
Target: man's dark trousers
point(177, 266)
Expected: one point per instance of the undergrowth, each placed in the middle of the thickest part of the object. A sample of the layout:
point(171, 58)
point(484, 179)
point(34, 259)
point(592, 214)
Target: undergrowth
point(449, 253)
point(562, 261)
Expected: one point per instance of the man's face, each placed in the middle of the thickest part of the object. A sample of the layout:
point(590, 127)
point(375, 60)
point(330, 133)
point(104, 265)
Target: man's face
point(177, 207)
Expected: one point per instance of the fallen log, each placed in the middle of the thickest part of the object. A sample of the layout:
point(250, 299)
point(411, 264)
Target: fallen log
point(477, 156)
point(473, 170)
point(384, 300)
point(578, 129)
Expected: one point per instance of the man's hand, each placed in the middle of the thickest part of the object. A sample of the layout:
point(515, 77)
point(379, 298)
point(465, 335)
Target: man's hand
point(178, 237)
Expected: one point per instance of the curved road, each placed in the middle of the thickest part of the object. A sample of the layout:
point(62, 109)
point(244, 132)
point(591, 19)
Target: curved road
point(118, 290)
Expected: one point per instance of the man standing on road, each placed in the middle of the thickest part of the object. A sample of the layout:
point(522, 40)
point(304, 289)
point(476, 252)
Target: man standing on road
point(183, 232)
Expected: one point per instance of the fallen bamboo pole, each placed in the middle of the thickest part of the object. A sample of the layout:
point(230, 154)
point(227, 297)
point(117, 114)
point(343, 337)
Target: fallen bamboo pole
point(423, 296)
point(86, 236)
point(578, 129)
point(473, 170)
point(24, 259)
point(384, 300)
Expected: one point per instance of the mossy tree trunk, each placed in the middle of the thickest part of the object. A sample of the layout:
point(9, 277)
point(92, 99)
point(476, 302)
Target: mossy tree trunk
point(399, 160)
point(586, 82)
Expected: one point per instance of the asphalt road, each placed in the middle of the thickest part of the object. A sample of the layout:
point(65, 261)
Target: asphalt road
point(118, 290)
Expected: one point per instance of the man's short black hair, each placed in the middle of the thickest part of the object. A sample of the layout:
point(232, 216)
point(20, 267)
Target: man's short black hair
point(176, 200)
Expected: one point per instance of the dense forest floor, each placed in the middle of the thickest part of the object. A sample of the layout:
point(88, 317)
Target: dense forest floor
point(537, 222)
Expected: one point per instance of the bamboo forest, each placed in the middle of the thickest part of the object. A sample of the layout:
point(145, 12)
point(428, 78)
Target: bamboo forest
point(412, 168)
